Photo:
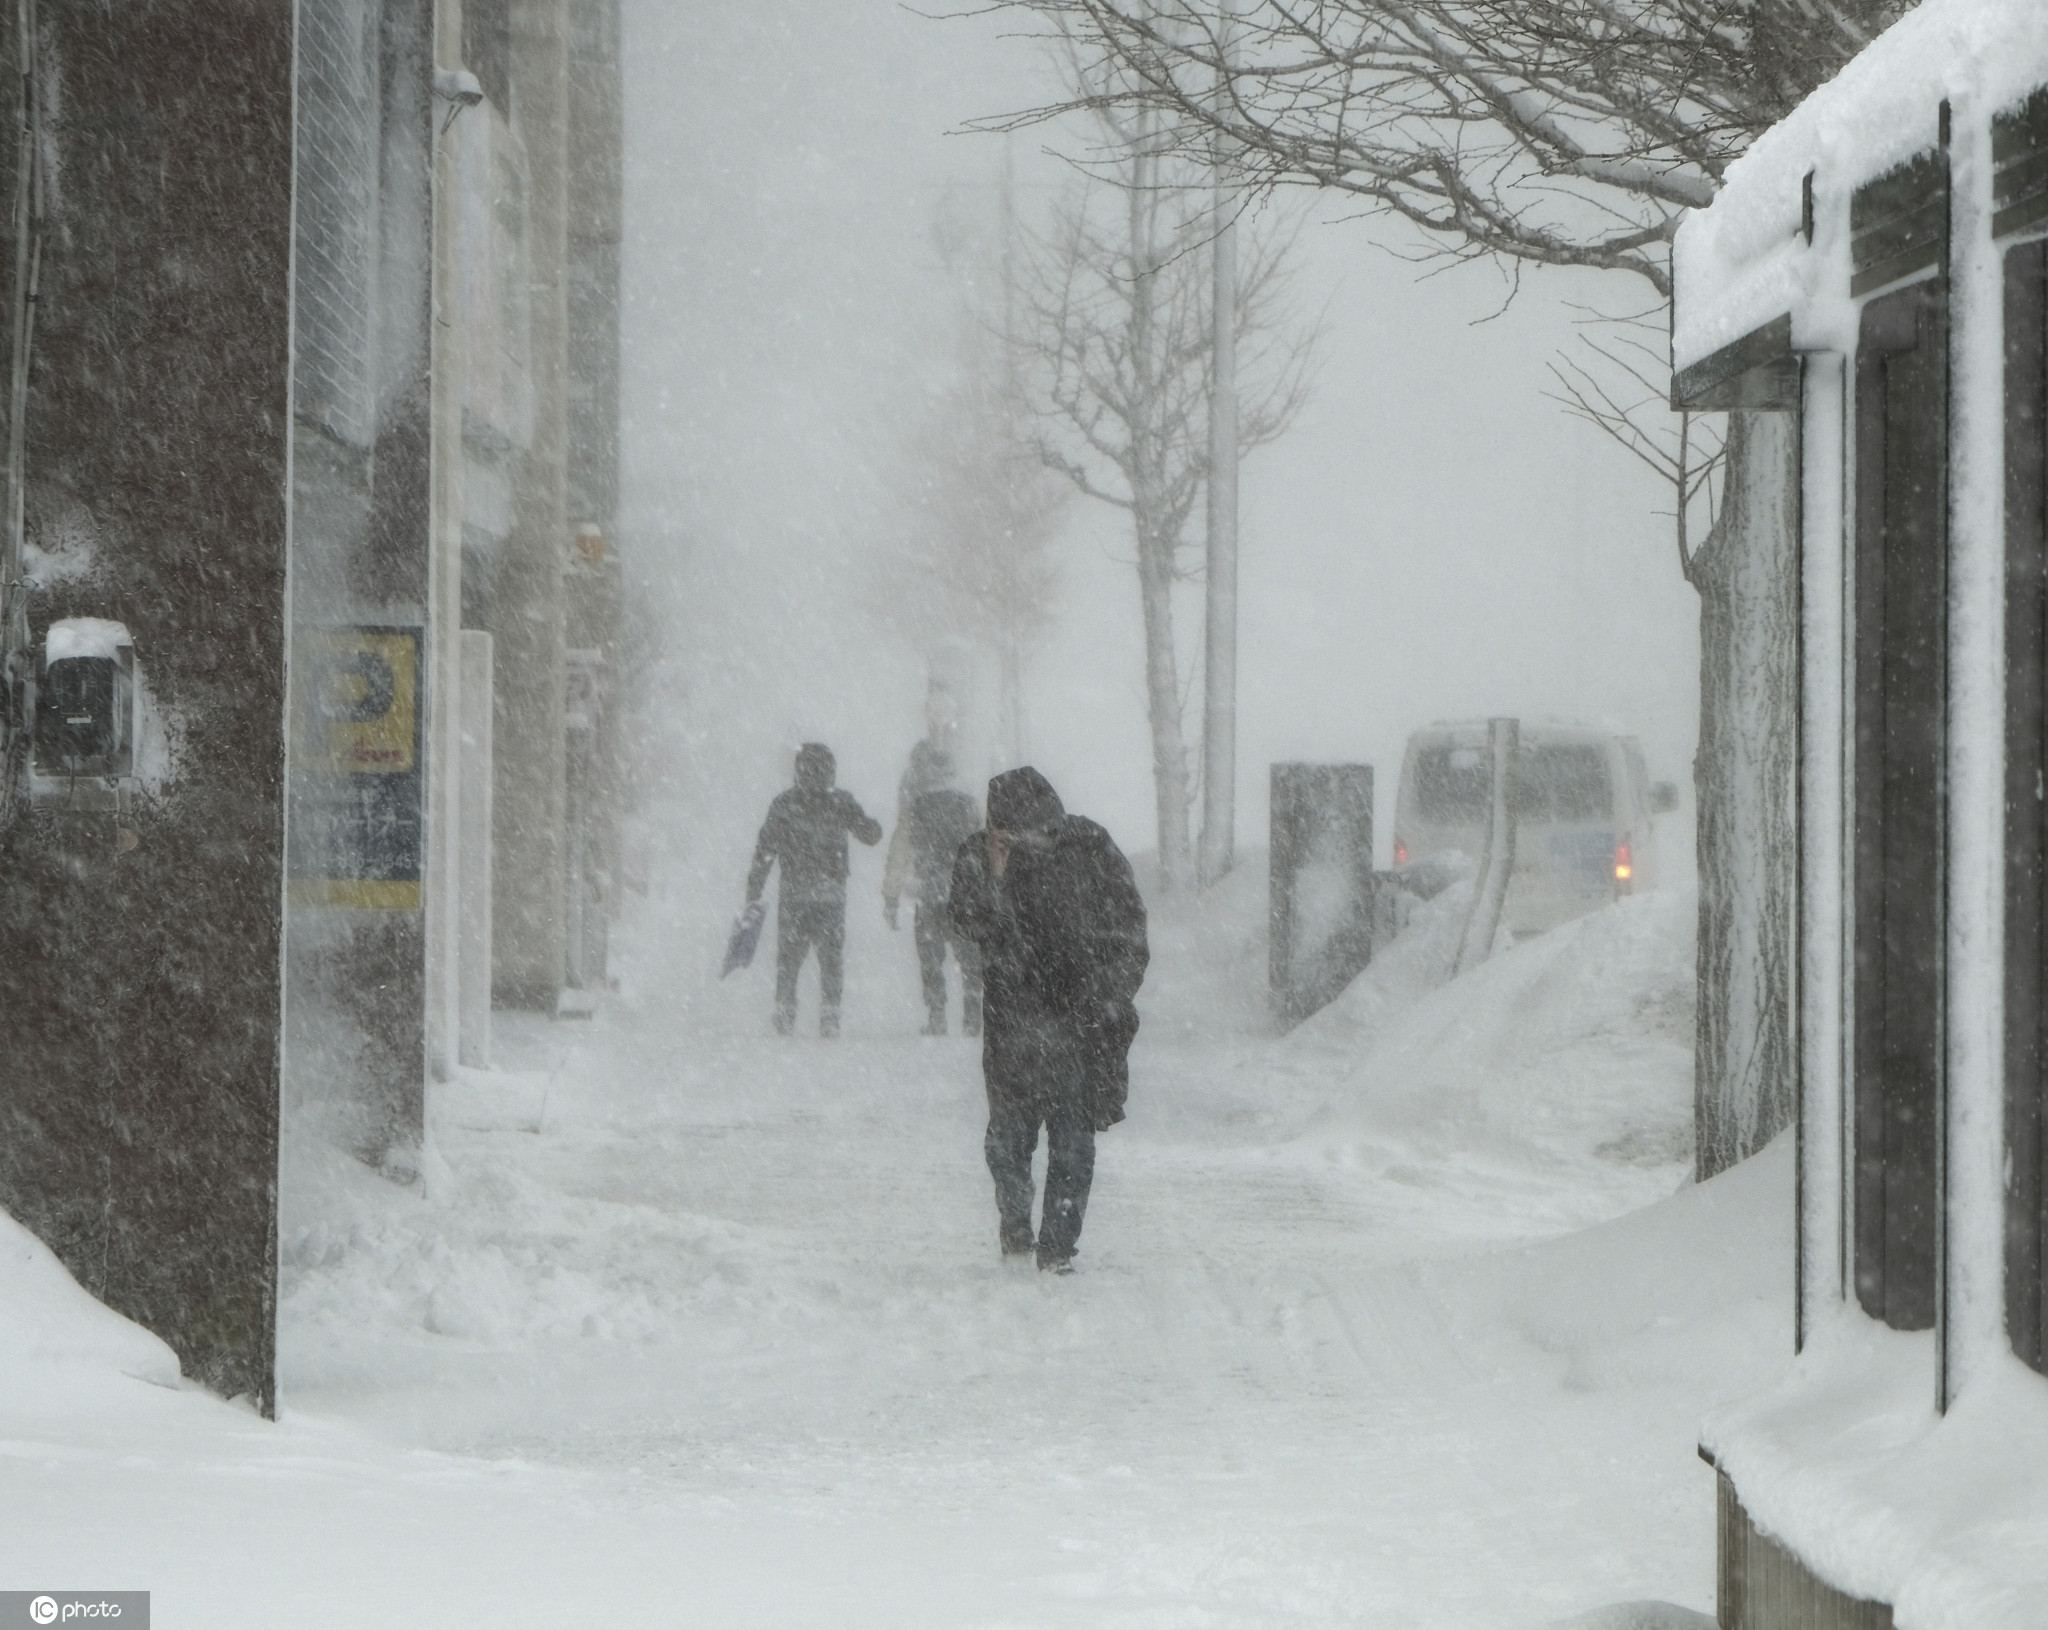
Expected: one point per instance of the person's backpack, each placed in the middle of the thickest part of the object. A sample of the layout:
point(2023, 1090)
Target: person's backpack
point(940, 821)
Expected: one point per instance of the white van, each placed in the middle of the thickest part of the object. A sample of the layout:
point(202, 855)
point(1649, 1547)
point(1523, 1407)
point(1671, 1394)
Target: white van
point(1584, 811)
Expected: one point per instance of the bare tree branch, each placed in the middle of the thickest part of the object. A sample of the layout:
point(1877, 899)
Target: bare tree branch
point(1115, 348)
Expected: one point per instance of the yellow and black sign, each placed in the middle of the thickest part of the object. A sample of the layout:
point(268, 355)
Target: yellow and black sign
point(358, 701)
point(358, 792)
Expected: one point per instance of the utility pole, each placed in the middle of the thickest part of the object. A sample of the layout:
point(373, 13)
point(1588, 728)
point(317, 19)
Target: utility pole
point(1219, 668)
point(1011, 655)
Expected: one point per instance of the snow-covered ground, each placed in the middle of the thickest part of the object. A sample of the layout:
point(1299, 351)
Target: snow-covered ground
point(1408, 1319)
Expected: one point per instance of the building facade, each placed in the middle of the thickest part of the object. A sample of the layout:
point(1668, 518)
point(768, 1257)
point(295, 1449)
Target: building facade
point(308, 609)
point(1871, 290)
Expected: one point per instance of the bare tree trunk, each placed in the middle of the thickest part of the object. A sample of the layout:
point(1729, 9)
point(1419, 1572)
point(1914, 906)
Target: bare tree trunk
point(1745, 776)
point(1163, 710)
point(1154, 539)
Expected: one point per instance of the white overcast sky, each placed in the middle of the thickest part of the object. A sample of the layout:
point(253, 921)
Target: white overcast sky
point(1433, 539)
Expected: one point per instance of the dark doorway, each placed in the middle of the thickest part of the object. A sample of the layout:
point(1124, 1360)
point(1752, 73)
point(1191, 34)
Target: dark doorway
point(2026, 813)
point(1901, 839)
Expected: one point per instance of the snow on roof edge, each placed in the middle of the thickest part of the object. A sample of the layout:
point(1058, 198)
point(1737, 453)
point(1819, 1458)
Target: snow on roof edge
point(1740, 262)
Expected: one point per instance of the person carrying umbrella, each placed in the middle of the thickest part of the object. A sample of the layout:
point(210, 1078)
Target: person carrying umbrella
point(806, 832)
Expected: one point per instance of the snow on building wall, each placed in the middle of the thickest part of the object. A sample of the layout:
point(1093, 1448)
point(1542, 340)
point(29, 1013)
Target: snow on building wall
point(245, 444)
point(358, 785)
point(1876, 269)
point(139, 939)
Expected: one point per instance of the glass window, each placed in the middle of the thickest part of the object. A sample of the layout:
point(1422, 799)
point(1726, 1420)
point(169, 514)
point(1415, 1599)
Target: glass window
point(1453, 785)
point(1563, 784)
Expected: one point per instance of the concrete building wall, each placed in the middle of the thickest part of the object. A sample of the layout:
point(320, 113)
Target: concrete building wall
point(597, 201)
point(359, 851)
point(525, 615)
point(139, 954)
point(274, 921)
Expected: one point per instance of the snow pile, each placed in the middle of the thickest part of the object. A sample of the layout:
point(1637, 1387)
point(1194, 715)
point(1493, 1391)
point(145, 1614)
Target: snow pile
point(1550, 1087)
point(1421, 959)
point(1940, 1515)
point(56, 1342)
point(481, 1252)
point(1208, 976)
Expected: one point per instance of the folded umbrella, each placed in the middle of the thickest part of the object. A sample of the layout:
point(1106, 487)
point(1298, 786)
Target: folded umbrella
point(746, 936)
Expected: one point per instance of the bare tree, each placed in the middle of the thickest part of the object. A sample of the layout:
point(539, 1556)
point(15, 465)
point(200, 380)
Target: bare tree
point(1117, 353)
point(1617, 381)
point(1556, 133)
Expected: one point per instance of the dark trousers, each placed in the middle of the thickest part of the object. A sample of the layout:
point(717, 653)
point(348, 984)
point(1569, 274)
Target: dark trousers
point(800, 925)
point(933, 933)
point(1069, 1170)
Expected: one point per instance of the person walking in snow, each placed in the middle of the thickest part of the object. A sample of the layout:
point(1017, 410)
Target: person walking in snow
point(806, 832)
point(1051, 902)
point(933, 818)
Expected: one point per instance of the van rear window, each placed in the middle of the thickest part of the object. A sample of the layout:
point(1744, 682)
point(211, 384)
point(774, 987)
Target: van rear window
point(1563, 784)
point(1453, 785)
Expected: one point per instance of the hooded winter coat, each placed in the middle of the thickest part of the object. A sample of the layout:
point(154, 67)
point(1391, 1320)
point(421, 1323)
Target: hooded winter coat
point(1050, 900)
point(806, 831)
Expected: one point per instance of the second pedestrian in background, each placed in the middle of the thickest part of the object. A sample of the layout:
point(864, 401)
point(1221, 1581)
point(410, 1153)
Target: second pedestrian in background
point(806, 833)
point(932, 818)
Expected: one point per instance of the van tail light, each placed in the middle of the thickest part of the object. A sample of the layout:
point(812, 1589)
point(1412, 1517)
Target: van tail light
point(1624, 863)
point(1400, 853)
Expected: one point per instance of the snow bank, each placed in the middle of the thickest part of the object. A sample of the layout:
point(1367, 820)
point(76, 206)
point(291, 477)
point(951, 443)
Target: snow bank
point(58, 1343)
point(1939, 1515)
point(1421, 959)
point(1568, 1053)
point(1208, 975)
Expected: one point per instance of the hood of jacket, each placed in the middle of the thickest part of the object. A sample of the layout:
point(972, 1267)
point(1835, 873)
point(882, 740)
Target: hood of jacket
point(1020, 800)
point(815, 767)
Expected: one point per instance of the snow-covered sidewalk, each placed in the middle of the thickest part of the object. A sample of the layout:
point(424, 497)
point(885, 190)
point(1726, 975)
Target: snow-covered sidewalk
point(709, 1329)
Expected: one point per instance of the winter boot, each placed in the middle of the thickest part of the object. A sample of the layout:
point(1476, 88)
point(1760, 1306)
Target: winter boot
point(935, 1022)
point(1017, 1240)
point(828, 1023)
point(1055, 1261)
point(785, 1021)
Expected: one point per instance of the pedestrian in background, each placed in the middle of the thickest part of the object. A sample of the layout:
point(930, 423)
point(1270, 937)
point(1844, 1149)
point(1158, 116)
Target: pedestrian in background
point(806, 833)
point(933, 818)
point(1050, 900)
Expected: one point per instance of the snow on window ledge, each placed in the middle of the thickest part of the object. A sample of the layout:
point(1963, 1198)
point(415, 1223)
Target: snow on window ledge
point(1846, 1463)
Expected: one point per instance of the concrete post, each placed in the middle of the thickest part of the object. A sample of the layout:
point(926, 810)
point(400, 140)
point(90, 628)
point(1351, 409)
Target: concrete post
point(1489, 895)
point(446, 707)
point(528, 613)
point(473, 846)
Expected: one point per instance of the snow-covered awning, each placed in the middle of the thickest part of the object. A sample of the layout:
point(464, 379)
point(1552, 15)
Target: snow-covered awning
point(85, 637)
point(1767, 247)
